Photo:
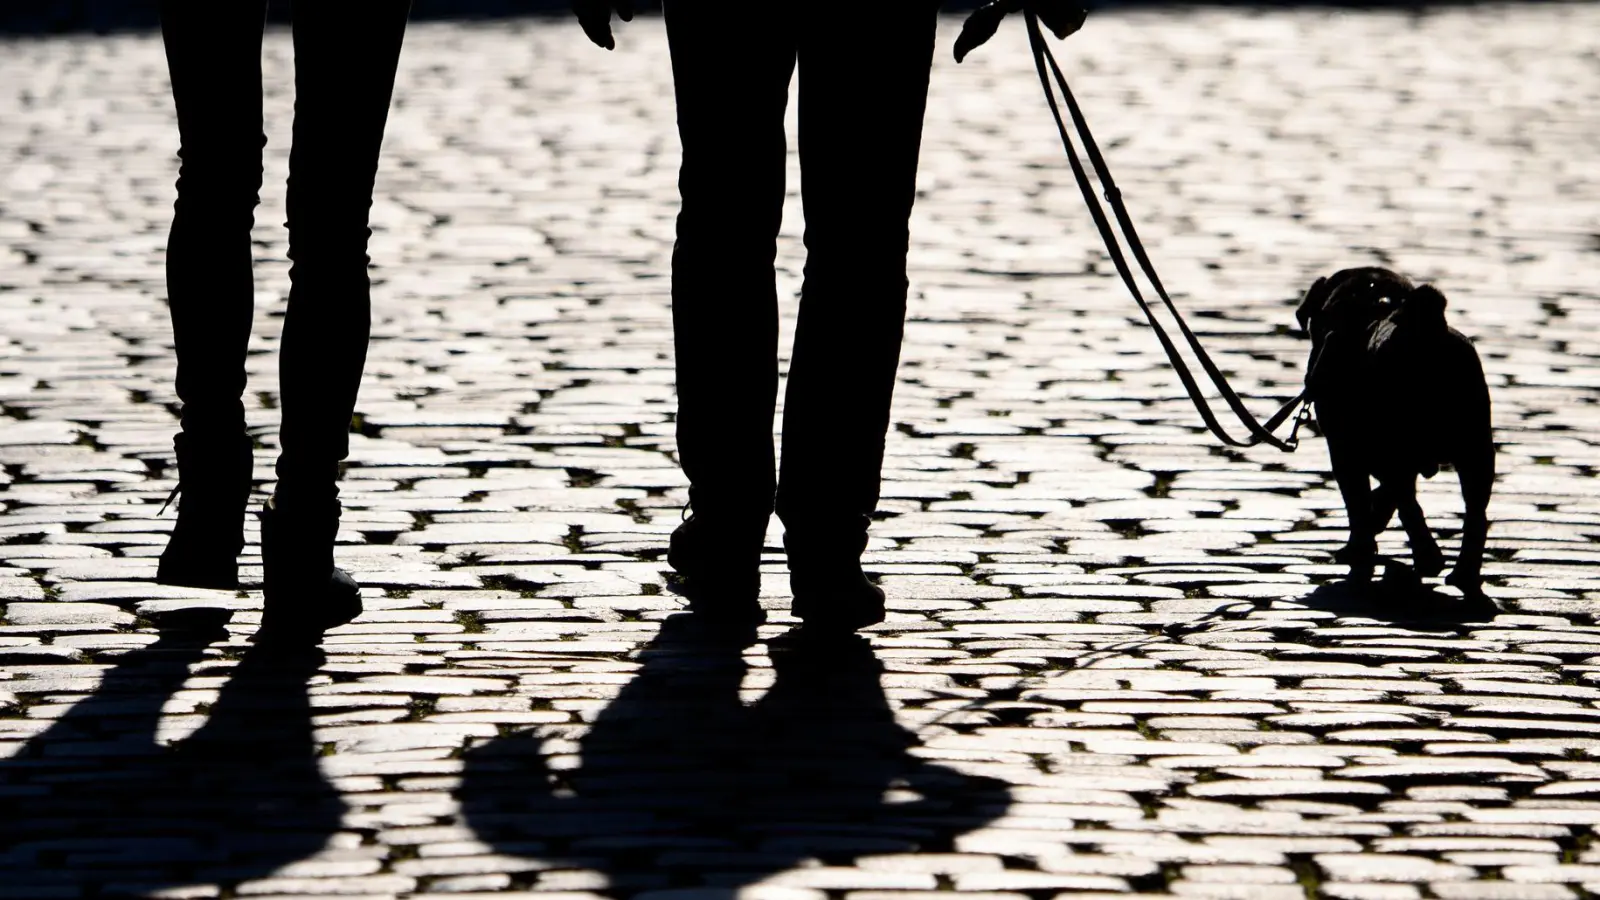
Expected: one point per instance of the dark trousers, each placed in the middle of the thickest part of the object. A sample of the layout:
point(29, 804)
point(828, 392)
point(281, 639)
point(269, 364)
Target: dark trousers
point(863, 71)
point(345, 60)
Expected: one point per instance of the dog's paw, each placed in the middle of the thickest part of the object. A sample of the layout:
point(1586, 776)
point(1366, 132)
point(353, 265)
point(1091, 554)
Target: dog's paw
point(1469, 581)
point(1399, 576)
point(1427, 564)
point(1354, 554)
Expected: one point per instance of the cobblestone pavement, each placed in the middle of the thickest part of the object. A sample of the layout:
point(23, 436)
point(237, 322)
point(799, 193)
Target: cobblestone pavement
point(1118, 658)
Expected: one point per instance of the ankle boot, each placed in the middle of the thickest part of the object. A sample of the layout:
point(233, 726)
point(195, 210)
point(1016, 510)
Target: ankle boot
point(718, 566)
point(831, 593)
point(214, 480)
point(306, 594)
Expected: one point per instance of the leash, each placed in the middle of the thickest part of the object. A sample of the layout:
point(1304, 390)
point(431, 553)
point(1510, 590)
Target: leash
point(1045, 62)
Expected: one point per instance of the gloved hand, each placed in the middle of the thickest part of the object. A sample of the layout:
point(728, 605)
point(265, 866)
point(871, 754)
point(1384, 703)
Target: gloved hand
point(1062, 17)
point(595, 17)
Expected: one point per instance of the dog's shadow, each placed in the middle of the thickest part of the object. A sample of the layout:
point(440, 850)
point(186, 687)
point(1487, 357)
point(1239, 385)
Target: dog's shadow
point(682, 784)
point(1400, 597)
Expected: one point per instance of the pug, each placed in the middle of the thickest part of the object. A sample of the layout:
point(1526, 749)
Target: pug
point(1398, 393)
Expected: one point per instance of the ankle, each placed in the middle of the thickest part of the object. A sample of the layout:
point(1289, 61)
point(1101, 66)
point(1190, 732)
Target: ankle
point(298, 538)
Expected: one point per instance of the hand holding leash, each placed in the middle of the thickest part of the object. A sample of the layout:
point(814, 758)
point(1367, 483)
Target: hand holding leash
point(1062, 17)
point(595, 18)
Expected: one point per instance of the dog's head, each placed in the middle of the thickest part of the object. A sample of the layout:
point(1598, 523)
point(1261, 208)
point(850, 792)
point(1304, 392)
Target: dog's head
point(1353, 311)
point(1351, 298)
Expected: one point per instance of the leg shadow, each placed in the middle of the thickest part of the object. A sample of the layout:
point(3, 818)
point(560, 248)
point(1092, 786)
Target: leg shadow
point(95, 806)
point(681, 785)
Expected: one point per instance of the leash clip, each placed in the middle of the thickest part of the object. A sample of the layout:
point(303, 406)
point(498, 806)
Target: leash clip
point(1301, 418)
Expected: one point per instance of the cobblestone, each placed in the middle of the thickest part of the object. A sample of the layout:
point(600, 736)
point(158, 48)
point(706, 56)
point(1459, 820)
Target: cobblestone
point(1118, 660)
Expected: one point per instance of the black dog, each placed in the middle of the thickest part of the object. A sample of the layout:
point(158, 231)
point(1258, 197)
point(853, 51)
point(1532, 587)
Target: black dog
point(1398, 393)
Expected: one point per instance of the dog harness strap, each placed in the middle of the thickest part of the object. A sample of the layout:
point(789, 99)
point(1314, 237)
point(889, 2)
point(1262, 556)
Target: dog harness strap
point(1045, 63)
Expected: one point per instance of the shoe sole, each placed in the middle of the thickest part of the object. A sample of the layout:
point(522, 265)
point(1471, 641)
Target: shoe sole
point(845, 618)
point(341, 605)
point(836, 624)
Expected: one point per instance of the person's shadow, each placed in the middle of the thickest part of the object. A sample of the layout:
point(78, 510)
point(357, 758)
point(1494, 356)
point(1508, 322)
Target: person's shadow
point(95, 806)
point(682, 785)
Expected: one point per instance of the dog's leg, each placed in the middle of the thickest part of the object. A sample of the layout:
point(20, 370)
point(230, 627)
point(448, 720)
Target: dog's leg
point(1383, 507)
point(1477, 480)
point(1425, 556)
point(1355, 486)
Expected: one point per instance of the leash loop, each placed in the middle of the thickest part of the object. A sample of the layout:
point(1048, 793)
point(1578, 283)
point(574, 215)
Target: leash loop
point(1045, 62)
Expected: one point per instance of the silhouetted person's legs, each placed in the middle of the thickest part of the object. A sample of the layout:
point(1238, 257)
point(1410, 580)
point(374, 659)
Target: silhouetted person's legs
point(863, 88)
point(345, 61)
point(214, 58)
point(731, 64)
point(344, 77)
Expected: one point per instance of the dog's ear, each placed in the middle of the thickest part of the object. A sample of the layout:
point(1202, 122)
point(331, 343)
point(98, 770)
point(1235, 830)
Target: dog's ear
point(1427, 300)
point(1316, 297)
point(1425, 306)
